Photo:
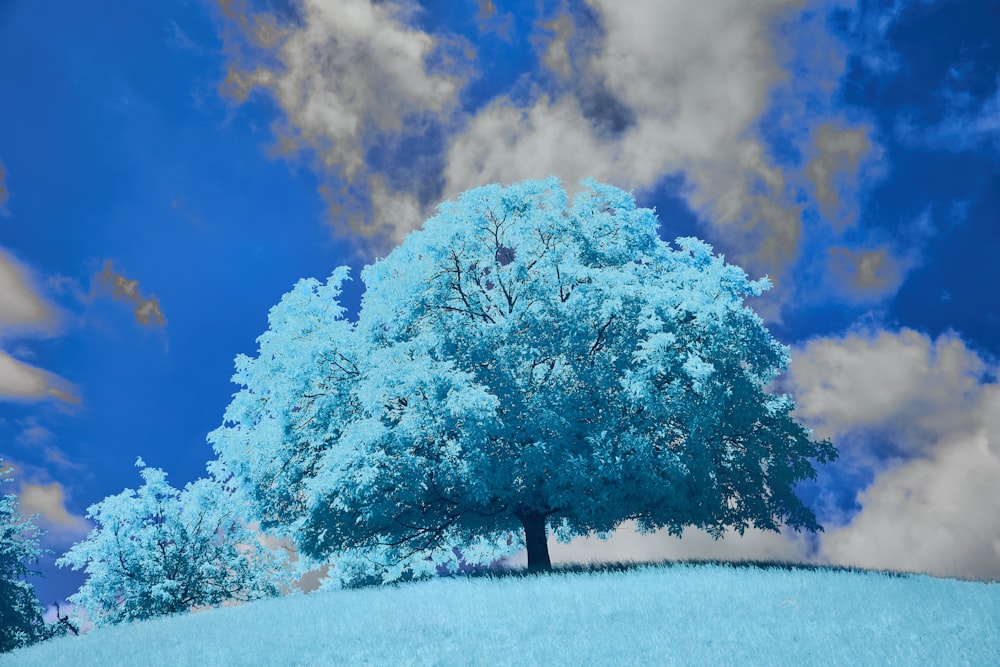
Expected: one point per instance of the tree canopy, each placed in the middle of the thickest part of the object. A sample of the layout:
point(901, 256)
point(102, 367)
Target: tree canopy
point(158, 550)
point(522, 362)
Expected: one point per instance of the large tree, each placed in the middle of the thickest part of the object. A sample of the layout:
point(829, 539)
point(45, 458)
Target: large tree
point(158, 550)
point(523, 362)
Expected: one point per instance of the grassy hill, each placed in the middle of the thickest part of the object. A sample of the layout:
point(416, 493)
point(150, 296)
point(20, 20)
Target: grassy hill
point(693, 613)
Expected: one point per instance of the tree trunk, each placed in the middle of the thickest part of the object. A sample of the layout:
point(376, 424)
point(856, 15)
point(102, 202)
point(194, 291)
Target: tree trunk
point(534, 538)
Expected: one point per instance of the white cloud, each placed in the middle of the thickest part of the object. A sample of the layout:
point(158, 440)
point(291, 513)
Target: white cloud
point(354, 66)
point(349, 76)
point(21, 380)
point(60, 528)
point(934, 507)
point(696, 75)
point(20, 305)
point(939, 514)
point(46, 500)
point(504, 143)
point(630, 94)
point(904, 383)
point(22, 311)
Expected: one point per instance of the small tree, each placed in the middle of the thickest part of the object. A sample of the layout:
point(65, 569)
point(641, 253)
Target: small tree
point(21, 620)
point(521, 363)
point(160, 551)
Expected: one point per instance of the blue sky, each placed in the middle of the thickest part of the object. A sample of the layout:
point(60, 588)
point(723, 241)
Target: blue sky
point(168, 170)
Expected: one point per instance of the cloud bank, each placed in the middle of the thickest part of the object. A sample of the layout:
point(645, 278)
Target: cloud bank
point(631, 95)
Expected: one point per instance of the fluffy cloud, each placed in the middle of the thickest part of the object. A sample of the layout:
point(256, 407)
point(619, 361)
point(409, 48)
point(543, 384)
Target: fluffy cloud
point(349, 76)
point(22, 310)
point(20, 305)
point(932, 506)
point(629, 94)
point(694, 100)
point(19, 379)
point(505, 143)
point(905, 383)
point(354, 67)
point(48, 500)
point(678, 88)
point(939, 514)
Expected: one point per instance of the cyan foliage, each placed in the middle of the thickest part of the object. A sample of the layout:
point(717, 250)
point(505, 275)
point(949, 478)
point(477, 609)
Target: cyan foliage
point(157, 551)
point(521, 354)
point(21, 620)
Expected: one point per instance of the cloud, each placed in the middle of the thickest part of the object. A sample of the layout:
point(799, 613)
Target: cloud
point(146, 310)
point(19, 380)
point(490, 20)
point(556, 56)
point(631, 94)
point(834, 168)
point(33, 434)
point(23, 311)
point(866, 274)
point(932, 506)
point(685, 86)
point(179, 40)
point(20, 304)
point(904, 383)
point(939, 515)
point(349, 77)
point(354, 68)
point(49, 503)
point(46, 500)
point(654, 97)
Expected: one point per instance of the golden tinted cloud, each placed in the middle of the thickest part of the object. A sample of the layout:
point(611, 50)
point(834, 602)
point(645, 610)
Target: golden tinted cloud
point(147, 310)
point(868, 274)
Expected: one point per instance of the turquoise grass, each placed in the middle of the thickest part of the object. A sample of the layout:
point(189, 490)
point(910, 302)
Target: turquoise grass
point(692, 613)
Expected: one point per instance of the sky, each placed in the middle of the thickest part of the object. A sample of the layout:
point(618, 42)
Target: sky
point(169, 170)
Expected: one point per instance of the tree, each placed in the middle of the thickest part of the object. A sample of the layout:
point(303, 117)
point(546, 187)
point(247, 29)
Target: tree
point(160, 551)
point(21, 622)
point(521, 363)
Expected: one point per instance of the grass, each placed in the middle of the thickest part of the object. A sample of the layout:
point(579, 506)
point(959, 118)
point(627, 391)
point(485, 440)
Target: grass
point(682, 613)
